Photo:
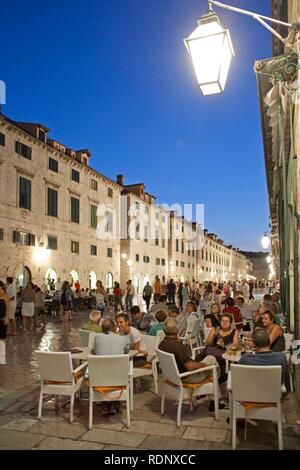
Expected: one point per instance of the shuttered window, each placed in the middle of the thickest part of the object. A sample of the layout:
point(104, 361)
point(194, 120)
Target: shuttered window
point(24, 193)
point(52, 202)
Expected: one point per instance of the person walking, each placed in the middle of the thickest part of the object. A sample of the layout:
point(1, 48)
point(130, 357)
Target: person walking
point(12, 295)
point(147, 294)
point(157, 289)
point(28, 306)
point(129, 295)
point(4, 310)
point(171, 291)
point(66, 301)
point(118, 297)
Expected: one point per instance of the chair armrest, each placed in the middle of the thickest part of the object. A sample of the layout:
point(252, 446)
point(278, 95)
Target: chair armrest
point(229, 386)
point(198, 348)
point(202, 369)
point(130, 369)
point(82, 366)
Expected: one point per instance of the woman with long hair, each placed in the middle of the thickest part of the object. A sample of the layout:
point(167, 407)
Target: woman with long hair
point(4, 310)
point(28, 306)
point(66, 301)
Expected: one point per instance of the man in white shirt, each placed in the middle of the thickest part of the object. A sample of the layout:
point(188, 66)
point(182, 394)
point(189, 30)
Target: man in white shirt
point(109, 343)
point(11, 292)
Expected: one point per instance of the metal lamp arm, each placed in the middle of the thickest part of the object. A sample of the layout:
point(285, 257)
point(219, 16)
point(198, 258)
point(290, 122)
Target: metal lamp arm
point(256, 16)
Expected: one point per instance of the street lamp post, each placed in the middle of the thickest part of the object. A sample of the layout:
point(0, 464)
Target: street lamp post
point(211, 50)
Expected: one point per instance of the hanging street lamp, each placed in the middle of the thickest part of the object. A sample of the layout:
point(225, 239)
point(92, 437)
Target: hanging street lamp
point(211, 50)
point(265, 241)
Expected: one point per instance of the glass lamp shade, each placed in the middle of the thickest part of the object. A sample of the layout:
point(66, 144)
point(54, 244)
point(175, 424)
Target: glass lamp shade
point(265, 241)
point(211, 50)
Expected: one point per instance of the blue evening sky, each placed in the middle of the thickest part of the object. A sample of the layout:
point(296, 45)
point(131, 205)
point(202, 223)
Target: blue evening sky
point(114, 76)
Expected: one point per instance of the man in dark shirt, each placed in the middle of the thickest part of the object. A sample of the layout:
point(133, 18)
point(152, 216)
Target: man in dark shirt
point(171, 344)
point(263, 356)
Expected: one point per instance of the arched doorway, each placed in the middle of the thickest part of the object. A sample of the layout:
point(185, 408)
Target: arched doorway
point(145, 280)
point(73, 277)
point(23, 277)
point(92, 280)
point(109, 281)
point(136, 284)
point(50, 274)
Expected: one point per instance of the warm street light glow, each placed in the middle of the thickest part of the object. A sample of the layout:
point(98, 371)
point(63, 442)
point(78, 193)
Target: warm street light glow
point(124, 256)
point(129, 262)
point(269, 259)
point(41, 254)
point(265, 241)
point(211, 50)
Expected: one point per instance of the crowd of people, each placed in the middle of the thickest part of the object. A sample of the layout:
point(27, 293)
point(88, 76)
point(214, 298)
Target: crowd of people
point(228, 310)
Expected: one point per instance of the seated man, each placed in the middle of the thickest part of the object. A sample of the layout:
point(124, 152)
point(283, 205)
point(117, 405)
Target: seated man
point(109, 343)
point(160, 316)
point(95, 317)
point(171, 344)
point(140, 320)
point(162, 305)
point(263, 355)
point(173, 311)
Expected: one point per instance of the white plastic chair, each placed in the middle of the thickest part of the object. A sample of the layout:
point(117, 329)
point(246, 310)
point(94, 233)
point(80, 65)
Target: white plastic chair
point(87, 338)
point(289, 338)
point(190, 324)
point(160, 334)
point(109, 380)
point(173, 387)
point(255, 394)
point(150, 368)
point(58, 376)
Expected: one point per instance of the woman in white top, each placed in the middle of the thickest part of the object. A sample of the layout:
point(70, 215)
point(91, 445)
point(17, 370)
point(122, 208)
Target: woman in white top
point(11, 292)
point(28, 306)
point(101, 296)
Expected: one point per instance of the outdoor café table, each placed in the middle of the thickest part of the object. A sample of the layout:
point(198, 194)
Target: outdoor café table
point(228, 358)
point(85, 352)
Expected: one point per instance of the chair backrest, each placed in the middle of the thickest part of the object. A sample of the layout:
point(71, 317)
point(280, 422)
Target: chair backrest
point(160, 334)
point(168, 366)
point(108, 370)
point(86, 338)
point(289, 338)
point(55, 366)
point(256, 383)
point(195, 328)
point(151, 342)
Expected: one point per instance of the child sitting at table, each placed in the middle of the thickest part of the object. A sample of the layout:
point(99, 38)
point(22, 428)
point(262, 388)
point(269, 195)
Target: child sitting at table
point(94, 325)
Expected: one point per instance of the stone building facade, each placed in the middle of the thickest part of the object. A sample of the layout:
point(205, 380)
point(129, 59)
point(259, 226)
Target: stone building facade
point(59, 218)
point(47, 216)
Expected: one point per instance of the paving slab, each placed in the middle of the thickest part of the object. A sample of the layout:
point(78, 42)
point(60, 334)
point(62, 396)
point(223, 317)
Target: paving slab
point(19, 440)
point(160, 429)
point(169, 443)
point(106, 436)
point(208, 434)
point(59, 429)
point(57, 443)
point(19, 424)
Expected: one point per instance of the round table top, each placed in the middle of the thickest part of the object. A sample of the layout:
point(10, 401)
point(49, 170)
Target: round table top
point(234, 358)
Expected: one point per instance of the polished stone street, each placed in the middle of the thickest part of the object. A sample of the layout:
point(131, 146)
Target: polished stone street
point(20, 428)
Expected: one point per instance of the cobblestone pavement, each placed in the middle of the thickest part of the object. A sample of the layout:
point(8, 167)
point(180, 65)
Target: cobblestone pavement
point(20, 428)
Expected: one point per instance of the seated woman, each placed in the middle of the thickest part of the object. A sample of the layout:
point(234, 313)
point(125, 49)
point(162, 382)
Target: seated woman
point(212, 320)
point(276, 335)
point(234, 311)
point(217, 341)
